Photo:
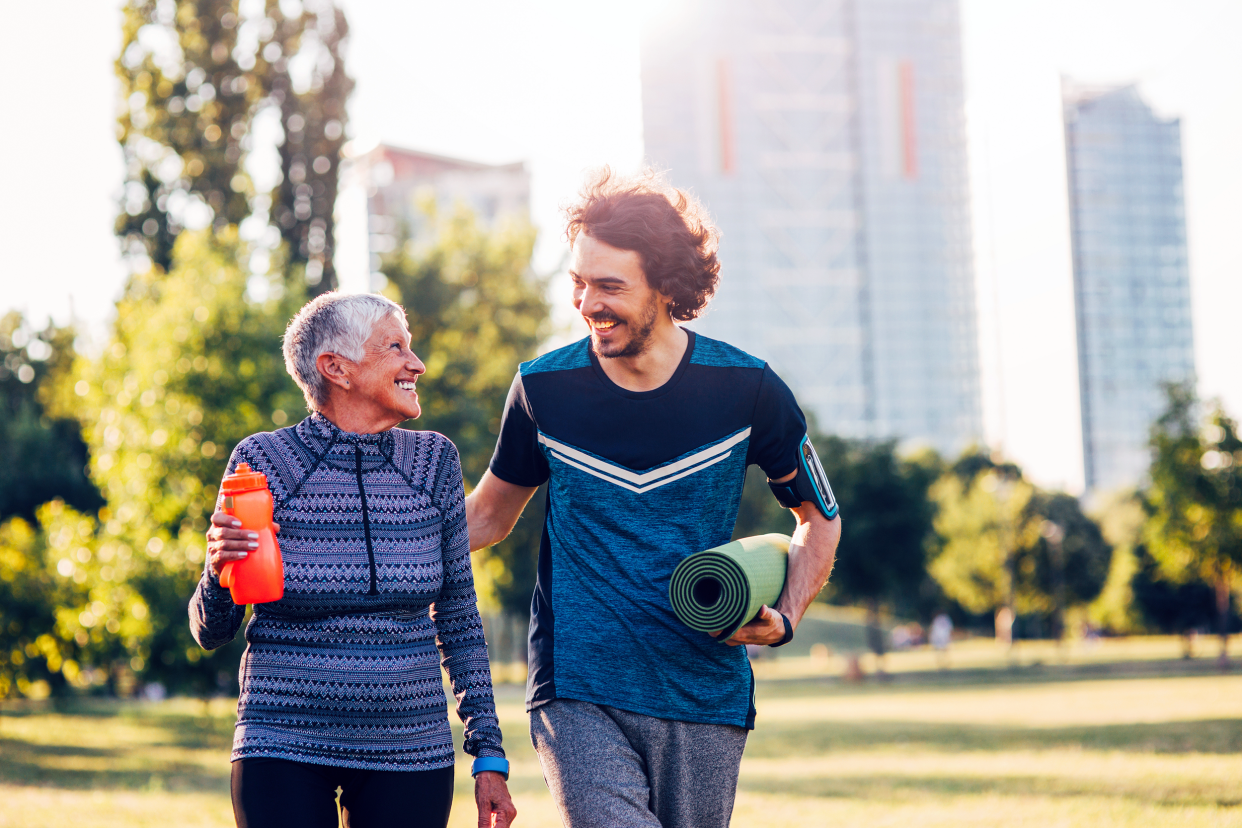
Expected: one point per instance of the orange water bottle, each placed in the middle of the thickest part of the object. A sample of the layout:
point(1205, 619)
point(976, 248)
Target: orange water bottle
point(259, 578)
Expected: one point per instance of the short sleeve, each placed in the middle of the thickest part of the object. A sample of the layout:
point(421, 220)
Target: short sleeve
point(777, 427)
point(517, 458)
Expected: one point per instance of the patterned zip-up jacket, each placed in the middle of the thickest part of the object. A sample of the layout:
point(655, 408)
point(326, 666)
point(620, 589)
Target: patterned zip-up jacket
point(344, 669)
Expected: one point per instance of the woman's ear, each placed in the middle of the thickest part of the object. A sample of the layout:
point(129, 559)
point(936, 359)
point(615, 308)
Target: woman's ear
point(336, 369)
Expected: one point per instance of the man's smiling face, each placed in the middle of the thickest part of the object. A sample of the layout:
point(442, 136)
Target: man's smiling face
point(612, 294)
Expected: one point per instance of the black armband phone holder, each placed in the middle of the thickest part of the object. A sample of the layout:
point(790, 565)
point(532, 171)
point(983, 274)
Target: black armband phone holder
point(810, 483)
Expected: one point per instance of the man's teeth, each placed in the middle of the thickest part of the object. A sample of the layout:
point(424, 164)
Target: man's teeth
point(605, 326)
point(405, 386)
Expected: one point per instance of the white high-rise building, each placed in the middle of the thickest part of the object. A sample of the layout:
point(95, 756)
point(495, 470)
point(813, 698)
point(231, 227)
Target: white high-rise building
point(826, 137)
point(1131, 279)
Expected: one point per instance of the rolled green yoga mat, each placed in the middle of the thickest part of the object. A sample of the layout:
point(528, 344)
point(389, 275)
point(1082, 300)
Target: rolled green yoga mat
point(724, 587)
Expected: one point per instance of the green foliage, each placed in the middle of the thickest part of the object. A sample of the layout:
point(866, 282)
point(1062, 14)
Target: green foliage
point(1120, 518)
point(1194, 501)
point(886, 527)
point(195, 74)
point(41, 457)
point(1074, 560)
point(980, 517)
point(1007, 543)
point(68, 615)
point(30, 655)
point(189, 94)
point(194, 366)
point(475, 311)
point(314, 122)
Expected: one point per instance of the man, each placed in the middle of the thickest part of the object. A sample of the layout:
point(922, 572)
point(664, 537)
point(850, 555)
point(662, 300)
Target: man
point(643, 432)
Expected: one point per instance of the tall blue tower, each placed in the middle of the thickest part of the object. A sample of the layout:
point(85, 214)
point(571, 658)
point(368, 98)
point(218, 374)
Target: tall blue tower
point(1131, 279)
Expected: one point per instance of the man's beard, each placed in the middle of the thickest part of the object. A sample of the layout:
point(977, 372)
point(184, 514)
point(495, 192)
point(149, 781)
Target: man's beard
point(640, 335)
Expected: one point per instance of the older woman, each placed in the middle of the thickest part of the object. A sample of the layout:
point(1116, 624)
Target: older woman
point(340, 682)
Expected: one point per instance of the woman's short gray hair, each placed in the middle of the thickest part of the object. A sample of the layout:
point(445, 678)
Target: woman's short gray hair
point(332, 323)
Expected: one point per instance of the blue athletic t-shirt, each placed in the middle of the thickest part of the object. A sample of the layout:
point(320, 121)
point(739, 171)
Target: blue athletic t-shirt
point(639, 480)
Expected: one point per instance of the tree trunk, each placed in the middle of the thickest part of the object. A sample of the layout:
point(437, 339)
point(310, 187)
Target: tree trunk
point(1222, 615)
point(875, 634)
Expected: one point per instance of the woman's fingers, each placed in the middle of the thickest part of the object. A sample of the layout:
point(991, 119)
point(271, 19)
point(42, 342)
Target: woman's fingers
point(491, 796)
point(227, 541)
point(222, 518)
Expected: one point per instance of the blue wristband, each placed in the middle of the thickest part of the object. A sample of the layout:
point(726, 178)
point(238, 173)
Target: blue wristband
point(490, 763)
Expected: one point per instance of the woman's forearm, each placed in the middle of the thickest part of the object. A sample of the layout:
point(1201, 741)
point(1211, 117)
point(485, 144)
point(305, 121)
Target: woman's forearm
point(214, 618)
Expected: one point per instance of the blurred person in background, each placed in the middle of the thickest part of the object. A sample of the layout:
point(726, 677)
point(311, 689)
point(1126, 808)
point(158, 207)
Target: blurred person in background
point(940, 635)
point(643, 432)
point(340, 681)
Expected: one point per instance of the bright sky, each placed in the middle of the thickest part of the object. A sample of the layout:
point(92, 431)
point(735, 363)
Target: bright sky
point(555, 83)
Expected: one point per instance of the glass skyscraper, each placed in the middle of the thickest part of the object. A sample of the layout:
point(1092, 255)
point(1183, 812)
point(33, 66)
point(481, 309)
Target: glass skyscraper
point(1131, 280)
point(826, 137)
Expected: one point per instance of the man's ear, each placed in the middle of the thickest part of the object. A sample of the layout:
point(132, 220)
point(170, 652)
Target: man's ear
point(667, 301)
point(336, 369)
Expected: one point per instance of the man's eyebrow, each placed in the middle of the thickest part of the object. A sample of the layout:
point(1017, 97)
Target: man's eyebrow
point(612, 280)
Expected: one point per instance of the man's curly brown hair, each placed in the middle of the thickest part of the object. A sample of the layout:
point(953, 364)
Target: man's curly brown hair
point(666, 227)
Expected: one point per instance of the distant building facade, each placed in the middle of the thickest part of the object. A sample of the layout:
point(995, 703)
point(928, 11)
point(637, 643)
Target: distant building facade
point(385, 193)
point(1131, 278)
point(827, 139)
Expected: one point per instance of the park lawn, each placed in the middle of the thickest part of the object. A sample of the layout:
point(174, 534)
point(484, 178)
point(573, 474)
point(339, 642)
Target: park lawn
point(1002, 750)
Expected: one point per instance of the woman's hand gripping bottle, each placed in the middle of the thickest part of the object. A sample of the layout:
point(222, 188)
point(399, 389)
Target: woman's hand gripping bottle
point(260, 578)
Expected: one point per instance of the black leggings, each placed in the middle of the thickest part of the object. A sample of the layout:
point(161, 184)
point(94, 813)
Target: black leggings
point(272, 793)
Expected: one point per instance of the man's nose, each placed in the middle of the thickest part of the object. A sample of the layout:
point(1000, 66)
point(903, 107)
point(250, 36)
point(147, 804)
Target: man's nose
point(415, 364)
point(588, 300)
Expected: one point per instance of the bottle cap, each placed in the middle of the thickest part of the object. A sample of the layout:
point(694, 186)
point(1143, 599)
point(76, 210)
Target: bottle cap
point(243, 480)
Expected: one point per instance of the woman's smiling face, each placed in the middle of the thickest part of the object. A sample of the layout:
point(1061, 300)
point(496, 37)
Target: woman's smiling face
point(384, 381)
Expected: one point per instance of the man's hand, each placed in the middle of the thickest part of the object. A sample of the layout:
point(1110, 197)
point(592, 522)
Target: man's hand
point(767, 628)
point(491, 795)
point(227, 542)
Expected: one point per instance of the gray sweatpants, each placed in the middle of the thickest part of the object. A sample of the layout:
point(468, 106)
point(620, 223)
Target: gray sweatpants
point(608, 768)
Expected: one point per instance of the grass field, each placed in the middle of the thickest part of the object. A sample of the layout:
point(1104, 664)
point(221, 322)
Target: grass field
point(1063, 738)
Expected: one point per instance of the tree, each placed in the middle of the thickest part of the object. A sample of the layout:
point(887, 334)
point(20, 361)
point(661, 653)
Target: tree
point(980, 519)
point(189, 94)
point(194, 365)
point(1120, 517)
point(1069, 564)
point(888, 530)
point(1139, 596)
point(475, 311)
point(41, 457)
point(1009, 548)
point(68, 616)
point(313, 117)
point(195, 75)
point(1194, 501)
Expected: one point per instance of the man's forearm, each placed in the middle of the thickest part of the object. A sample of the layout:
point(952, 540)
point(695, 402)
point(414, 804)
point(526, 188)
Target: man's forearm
point(481, 523)
point(493, 508)
point(811, 557)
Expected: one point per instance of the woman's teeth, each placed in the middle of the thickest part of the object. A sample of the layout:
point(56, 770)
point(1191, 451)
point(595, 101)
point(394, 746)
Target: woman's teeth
point(405, 386)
